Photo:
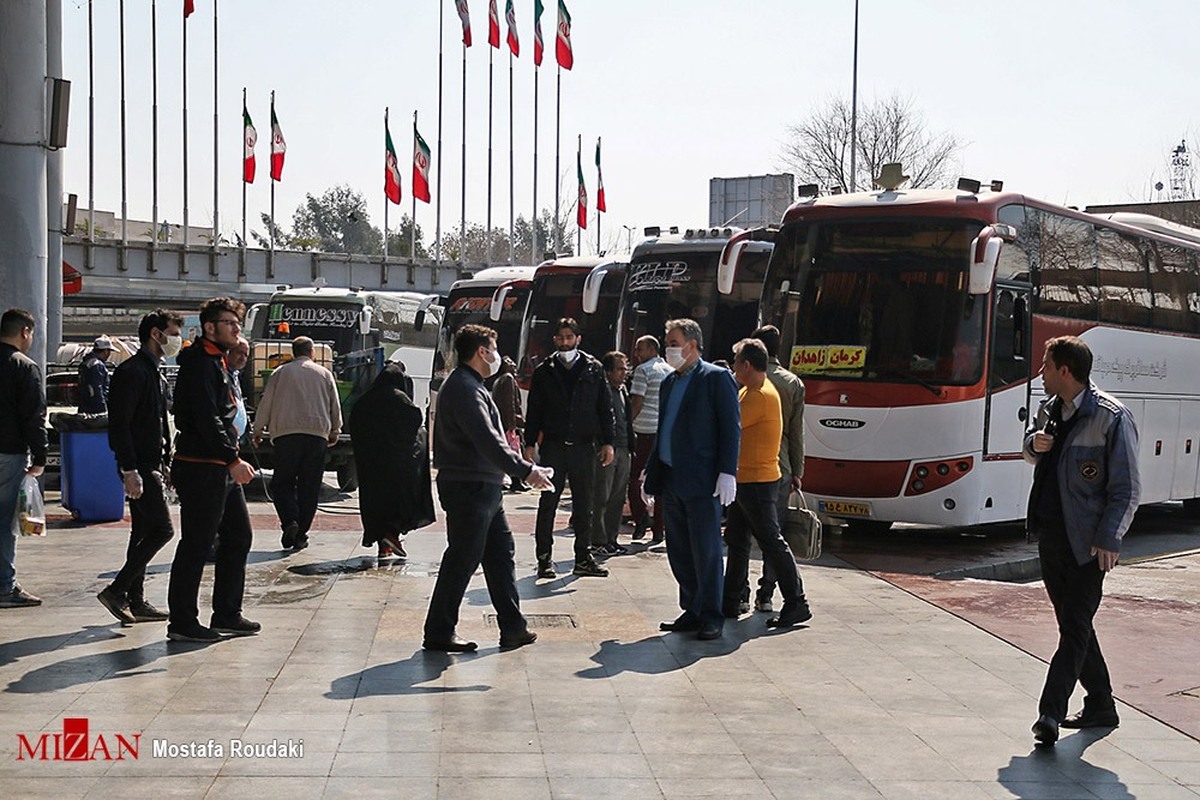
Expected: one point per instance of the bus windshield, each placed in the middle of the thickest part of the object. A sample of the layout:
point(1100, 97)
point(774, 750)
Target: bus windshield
point(882, 300)
point(322, 320)
point(470, 305)
point(668, 285)
point(560, 294)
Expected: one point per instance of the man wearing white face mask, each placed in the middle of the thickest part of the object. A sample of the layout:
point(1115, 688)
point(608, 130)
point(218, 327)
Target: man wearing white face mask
point(139, 436)
point(570, 421)
point(692, 471)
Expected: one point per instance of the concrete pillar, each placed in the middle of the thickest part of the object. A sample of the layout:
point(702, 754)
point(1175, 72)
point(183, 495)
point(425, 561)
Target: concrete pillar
point(54, 195)
point(23, 219)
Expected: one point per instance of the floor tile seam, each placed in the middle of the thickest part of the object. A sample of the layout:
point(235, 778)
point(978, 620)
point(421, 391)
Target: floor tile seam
point(217, 778)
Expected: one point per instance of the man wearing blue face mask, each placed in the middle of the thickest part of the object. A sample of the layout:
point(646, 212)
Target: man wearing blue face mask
point(569, 424)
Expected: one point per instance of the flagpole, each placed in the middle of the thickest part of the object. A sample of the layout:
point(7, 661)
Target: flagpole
point(385, 197)
point(511, 172)
point(437, 236)
point(271, 271)
point(489, 197)
point(599, 187)
point(462, 222)
point(533, 238)
point(186, 234)
point(412, 233)
point(854, 108)
point(579, 167)
point(124, 159)
point(153, 132)
point(216, 215)
point(91, 129)
point(243, 174)
point(557, 159)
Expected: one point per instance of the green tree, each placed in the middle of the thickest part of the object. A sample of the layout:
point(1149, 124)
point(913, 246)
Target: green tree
point(400, 240)
point(338, 221)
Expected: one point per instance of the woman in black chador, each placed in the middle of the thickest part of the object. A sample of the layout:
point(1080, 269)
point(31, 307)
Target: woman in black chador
point(391, 452)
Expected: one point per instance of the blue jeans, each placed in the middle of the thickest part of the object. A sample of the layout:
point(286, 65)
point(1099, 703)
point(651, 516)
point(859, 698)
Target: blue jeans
point(12, 472)
point(476, 533)
point(694, 552)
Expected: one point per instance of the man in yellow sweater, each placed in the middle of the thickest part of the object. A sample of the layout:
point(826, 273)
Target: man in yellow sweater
point(754, 513)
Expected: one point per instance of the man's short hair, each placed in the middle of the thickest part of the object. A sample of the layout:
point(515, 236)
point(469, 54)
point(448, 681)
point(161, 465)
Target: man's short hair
point(302, 346)
point(648, 341)
point(689, 328)
point(769, 336)
point(470, 338)
point(14, 321)
point(211, 309)
point(1074, 354)
point(157, 320)
point(610, 359)
point(753, 352)
point(567, 322)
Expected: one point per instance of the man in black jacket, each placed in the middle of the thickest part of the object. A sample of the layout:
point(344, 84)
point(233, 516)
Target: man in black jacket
point(141, 439)
point(94, 377)
point(569, 415)
point(22, 439)
point(209, 475)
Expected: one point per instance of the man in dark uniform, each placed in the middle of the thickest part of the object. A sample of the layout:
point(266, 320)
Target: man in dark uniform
point(93, 377)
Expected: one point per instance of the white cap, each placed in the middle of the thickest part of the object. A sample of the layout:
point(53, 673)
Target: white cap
point(102, 343)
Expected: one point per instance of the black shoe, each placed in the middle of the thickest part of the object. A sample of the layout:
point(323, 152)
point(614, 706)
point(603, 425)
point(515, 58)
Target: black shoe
point(520, 640)
point(641, 526)
point(1093, 718)
point(589, 569)
point(763, 604)
point(546, 569)
point(708, 632)
point(790, 616)
point(452, 645)
point(681, 624)
point(117, 605)
point(236, 626)
point(1045, 730)
point(656, 539)
point(193, 633)
point(290, 531)
point(144, 612)
point(614, 549)
point(301, 543)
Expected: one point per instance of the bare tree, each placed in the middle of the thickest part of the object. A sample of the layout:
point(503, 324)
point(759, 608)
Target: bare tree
point(889, 130)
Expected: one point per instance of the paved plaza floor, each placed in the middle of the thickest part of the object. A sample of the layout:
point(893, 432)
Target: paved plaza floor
point(882, 694)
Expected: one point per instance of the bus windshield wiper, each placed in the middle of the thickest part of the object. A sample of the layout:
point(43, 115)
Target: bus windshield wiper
point(908, 377)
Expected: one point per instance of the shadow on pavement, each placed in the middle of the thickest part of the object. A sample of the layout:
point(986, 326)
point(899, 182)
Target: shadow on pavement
point(98, 667)
point(402, 677)
point(1060, 766)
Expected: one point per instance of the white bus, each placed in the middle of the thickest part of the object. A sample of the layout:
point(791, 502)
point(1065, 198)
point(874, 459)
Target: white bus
point(918, 319)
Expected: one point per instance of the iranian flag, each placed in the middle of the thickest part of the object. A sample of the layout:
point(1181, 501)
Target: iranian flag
point(493, 25)
point(464, 14)
point(250, 136)
point(562, 46)
point(599, 180)
point(391, 170)
point(581, 207)
point(421, 159)
point(278, 147)
point(538, 8)
point(189, 8)
point(510, 16)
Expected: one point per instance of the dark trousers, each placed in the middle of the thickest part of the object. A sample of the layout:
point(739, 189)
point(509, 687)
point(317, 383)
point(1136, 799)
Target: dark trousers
point(150, 528)
point(296, 481)
point(643, 446)
point(754, 514)
point(1075, 592)
point(608, 499)
point(766, 583)
point(208, 499)
point(577, 463)
point(694, 553)
point(476, 533)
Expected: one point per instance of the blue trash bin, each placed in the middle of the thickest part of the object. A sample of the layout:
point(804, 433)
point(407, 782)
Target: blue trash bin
point(91, 485)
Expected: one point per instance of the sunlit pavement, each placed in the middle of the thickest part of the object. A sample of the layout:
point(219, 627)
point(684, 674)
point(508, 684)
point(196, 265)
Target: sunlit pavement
point(902, 685)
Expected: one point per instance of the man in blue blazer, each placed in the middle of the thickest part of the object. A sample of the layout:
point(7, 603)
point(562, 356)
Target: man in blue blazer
point(692, 472)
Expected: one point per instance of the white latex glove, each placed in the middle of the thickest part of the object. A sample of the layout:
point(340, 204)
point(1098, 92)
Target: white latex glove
point(133, 484)
point(726, 488)
point(541, 478)
point(647, 499)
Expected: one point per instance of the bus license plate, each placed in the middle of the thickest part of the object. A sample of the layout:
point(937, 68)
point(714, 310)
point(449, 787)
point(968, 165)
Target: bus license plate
point(841, 508)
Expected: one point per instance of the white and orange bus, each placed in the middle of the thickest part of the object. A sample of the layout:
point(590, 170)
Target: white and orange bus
point(917, 320)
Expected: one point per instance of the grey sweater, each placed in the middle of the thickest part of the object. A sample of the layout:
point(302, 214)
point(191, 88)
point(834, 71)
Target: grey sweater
point(468, 437)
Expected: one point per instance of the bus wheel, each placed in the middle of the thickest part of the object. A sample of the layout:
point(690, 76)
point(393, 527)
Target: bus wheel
point(867, 527)
point(1192, 507)
point(347, 476)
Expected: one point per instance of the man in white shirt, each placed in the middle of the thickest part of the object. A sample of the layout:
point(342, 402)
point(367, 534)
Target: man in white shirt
point(643, 404)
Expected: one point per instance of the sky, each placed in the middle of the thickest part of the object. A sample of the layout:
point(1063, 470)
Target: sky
point(1072, 102)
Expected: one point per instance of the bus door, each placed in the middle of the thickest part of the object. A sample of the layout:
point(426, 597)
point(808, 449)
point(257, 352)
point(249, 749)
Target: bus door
point(1010, 370)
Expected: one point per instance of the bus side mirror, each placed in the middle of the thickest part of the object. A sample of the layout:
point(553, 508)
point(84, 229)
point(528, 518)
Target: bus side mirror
point(985, 254)
point(592, 284)
point(497, 307)
point(252, 317)
point(364, 320)
point(727, 267)
point(422, 307)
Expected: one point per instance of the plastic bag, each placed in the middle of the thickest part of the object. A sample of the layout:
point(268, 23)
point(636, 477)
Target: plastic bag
point(31, 510)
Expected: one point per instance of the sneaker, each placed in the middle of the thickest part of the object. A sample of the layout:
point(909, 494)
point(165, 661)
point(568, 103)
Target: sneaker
point(589, 569)
point(301, 542)
point(790, 616)
point(236, 626)
point(657, 538)
point(290, 531)
point(18, 598)
point(394, 544)
point(764, 605)
point(193, 633)
point(614, 549)
point(546, 569)
point(641, 526)
point(117, 605)
point(145, 612)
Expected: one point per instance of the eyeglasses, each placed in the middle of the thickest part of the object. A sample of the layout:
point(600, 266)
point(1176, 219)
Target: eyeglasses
point(236, 322)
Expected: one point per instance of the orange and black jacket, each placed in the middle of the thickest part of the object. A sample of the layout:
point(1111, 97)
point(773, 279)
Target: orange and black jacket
point(204, 406)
